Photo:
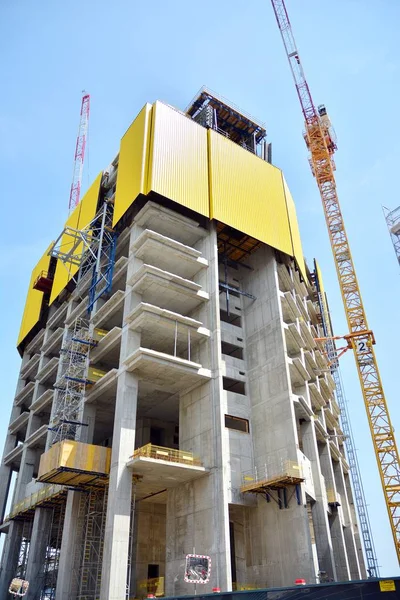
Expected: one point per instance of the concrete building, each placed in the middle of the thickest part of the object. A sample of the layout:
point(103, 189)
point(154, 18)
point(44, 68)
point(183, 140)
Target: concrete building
point(192, 411)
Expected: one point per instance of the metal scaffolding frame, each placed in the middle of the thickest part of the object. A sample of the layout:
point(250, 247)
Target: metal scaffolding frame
point(89, 556)
point(392, 218)
point(91, 248)
point(51, 561)
point(24, 548)
point(358, 490)
point(70, 387)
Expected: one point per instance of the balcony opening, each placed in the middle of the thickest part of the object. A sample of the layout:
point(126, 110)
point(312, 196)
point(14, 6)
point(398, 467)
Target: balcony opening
point(230, 318)
point(232, 350)
point(233, 385)
point(237, 423)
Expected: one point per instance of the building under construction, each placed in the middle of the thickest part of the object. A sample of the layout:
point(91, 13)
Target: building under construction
point(172, 397)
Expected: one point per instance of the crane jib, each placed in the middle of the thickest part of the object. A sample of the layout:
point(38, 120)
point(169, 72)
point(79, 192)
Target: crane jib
point(322, 145)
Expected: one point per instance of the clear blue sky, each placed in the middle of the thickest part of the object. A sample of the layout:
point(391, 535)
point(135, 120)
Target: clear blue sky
point(126, 53)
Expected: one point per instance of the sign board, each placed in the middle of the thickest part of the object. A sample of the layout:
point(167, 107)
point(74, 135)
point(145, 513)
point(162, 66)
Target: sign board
point(18, 587)
point(197, 568)
point(387, 585)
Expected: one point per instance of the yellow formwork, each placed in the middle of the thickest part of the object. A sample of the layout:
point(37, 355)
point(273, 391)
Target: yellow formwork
point(34, 298)
point(178, 167)
point(74, 463)
point(94, 374)
point(78, 219)
point(294, 230)
point(133, 163)
point(247, 193)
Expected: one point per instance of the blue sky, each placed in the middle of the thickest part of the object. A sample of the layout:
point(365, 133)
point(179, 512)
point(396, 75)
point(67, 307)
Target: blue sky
point(126, 53)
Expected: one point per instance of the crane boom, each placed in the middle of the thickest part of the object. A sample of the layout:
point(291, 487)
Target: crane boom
point(79, 157)
point(321, 143)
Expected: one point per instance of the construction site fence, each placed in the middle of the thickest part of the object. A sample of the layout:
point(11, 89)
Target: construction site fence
point(167, 454)
point(370, 589)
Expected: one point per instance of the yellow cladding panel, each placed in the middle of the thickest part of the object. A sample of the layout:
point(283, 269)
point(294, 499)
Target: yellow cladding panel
point(178, 159)
point(295, 232)
point(133, 163)
point(319, 277)
point(247, 193)
point(33, 303)
point(78, 219)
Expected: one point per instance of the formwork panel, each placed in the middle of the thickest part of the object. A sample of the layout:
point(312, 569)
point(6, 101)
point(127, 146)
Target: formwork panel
point(34, 298)
point(79, 218)
point(294, 230)
point(133, 163)
point(178, 159)
point(247, 193)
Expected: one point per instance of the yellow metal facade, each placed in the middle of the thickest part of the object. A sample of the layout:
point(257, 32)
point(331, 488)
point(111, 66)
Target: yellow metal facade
point(247, 193)
point(178, 159)
point(79, 218)
point(133, 163)
point(34, 299)
point(166, 152)
point(294, 229)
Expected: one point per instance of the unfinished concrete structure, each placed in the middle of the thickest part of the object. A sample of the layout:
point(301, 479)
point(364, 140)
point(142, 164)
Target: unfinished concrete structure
point(191, 408)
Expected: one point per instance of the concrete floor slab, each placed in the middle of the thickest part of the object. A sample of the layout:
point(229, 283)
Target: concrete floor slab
point(156, 249)
point(161, 287)
point(175, 374)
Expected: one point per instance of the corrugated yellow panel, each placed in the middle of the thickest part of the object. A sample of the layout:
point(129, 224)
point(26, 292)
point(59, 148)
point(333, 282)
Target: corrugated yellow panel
point(34, 298)
point(294, 230)
point(247, 193)
point(133, 163)
point(78, 219)
point(178, 159)
point(319, 277)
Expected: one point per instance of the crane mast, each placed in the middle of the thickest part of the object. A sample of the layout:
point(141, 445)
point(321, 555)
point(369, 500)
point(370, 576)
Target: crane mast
point(80, 146)
point(320, 140)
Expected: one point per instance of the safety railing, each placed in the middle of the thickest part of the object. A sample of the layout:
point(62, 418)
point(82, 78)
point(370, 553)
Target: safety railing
point(36, 499)
point(167, 454)
point(285, 469)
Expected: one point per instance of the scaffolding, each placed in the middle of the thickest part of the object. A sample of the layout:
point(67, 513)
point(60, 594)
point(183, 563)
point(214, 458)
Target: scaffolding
point(24, 548)
point(90, 250)
point(70, 386)
point(52, 557)
point(392, 218)
point(91, 528)
point(359, 496)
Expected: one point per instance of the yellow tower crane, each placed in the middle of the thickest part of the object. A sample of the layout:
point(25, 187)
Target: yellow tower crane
point(321, 142)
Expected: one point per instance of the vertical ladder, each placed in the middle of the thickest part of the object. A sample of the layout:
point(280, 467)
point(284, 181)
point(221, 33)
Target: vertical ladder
point(70, 387)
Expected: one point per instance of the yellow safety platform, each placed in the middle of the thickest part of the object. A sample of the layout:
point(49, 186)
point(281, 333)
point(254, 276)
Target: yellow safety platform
point(290, 474)
point(75, 464)
point(48, 496)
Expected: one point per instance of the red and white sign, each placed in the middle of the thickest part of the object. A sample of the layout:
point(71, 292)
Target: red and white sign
point(197, 568)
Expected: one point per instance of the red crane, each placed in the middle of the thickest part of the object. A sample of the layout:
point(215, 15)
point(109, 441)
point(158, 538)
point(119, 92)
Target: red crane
point(75, 192)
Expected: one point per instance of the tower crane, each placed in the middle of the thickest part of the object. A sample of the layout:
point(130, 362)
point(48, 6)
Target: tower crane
point(79, 157)
point(321, 142)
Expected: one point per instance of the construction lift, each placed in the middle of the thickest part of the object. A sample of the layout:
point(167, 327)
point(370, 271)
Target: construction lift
point(321, 142)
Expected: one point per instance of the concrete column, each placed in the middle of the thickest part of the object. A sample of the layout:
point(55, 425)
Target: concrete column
point(37, 551)
point(350, 543)
point(116, 539)
point(9, 560)
point(67, 578)
point(323, 538)
point(336, 528)
point(28, 460)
